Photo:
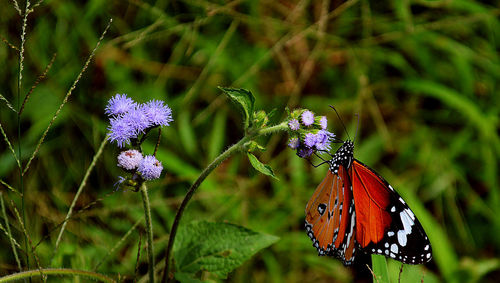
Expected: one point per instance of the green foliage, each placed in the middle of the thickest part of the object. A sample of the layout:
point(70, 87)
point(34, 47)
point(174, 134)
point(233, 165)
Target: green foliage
point(261, 167)
point(244, 101)
point(380, 272)
point(216, 247)
point(423, 76)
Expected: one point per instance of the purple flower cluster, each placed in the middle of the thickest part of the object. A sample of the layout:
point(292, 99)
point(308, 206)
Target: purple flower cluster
point(129, 119)
point(147, 166)
point(308, 133)
point(130, 159)
point(150, 168)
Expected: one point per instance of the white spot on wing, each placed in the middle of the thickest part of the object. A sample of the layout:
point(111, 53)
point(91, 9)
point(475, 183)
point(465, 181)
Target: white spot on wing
point(394, 248)
point(402, 238)
point(406, 220)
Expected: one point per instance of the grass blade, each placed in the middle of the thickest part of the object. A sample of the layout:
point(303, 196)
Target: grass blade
point(68, 94)
point(9, 234)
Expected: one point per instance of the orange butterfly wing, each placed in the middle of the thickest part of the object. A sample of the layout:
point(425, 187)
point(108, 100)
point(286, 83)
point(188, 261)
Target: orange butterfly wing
point(331, 219)
point(385, 224)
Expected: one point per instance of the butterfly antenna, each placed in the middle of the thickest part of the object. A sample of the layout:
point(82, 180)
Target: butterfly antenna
point(342, 122)
point(357, 126)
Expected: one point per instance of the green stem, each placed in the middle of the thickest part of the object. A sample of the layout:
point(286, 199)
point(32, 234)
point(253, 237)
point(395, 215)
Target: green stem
point(149, 230)
point(239, 146)
point(56, 271)
point(19, 89)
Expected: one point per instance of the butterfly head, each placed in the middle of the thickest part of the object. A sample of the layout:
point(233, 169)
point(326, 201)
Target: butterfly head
point(343, 156)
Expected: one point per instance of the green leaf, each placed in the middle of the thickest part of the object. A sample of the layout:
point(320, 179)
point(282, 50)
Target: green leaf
point(380, 272)
point(261, 167)
point(187, 278)
point(216, 247)
point(245, 101)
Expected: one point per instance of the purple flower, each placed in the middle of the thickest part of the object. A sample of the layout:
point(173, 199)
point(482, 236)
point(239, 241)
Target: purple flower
point(293, 124)
point(157, 113)
point(119, 104)
point(137, 119)
point(307, 118)
point(120, 131)
point(304, 152)
point(323, 140)
point(129, 159)
point(293, 143)
point(323, 122)
point(310, 140)
point(150, 168)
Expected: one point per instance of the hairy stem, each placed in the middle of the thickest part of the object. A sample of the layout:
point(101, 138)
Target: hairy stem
point(56, 271)
point(239, 146)
point(149, 230)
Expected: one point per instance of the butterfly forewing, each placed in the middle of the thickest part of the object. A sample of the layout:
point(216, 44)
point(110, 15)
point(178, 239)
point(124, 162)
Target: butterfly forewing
point(330, 217)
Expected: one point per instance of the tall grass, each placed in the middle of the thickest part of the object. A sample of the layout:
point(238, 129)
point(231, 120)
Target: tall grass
point(422, 76)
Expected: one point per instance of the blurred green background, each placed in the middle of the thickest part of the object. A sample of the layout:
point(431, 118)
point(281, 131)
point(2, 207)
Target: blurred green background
point(423, 76)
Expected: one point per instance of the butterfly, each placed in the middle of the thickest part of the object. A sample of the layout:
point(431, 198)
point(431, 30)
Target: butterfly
point(354, 208)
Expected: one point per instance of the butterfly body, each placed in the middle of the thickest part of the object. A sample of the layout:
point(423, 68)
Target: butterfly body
point(354, 208)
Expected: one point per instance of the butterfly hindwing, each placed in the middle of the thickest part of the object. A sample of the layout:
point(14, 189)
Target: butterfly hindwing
point(386, 225)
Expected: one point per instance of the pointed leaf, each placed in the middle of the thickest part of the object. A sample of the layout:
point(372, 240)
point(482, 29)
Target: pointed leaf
point(216, 247)
point(261, 167)
point(244, 100)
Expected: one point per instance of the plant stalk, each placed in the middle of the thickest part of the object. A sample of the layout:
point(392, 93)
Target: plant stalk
point(149, 230)
point(239, 146)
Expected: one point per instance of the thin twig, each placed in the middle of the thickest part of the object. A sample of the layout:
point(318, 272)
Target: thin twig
point(14, 240)
point(9, 145)
point(36, 5)
point(74, 215)
point(23, 228)
point(19, 148)
point(68, 94)
point(400, 272)
point(157, 141)
point(79, 191)
point(373, 274)
point(16, 6)
point(9, 233)
point(7, 103)
point(129, 232)
point(38, 80)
